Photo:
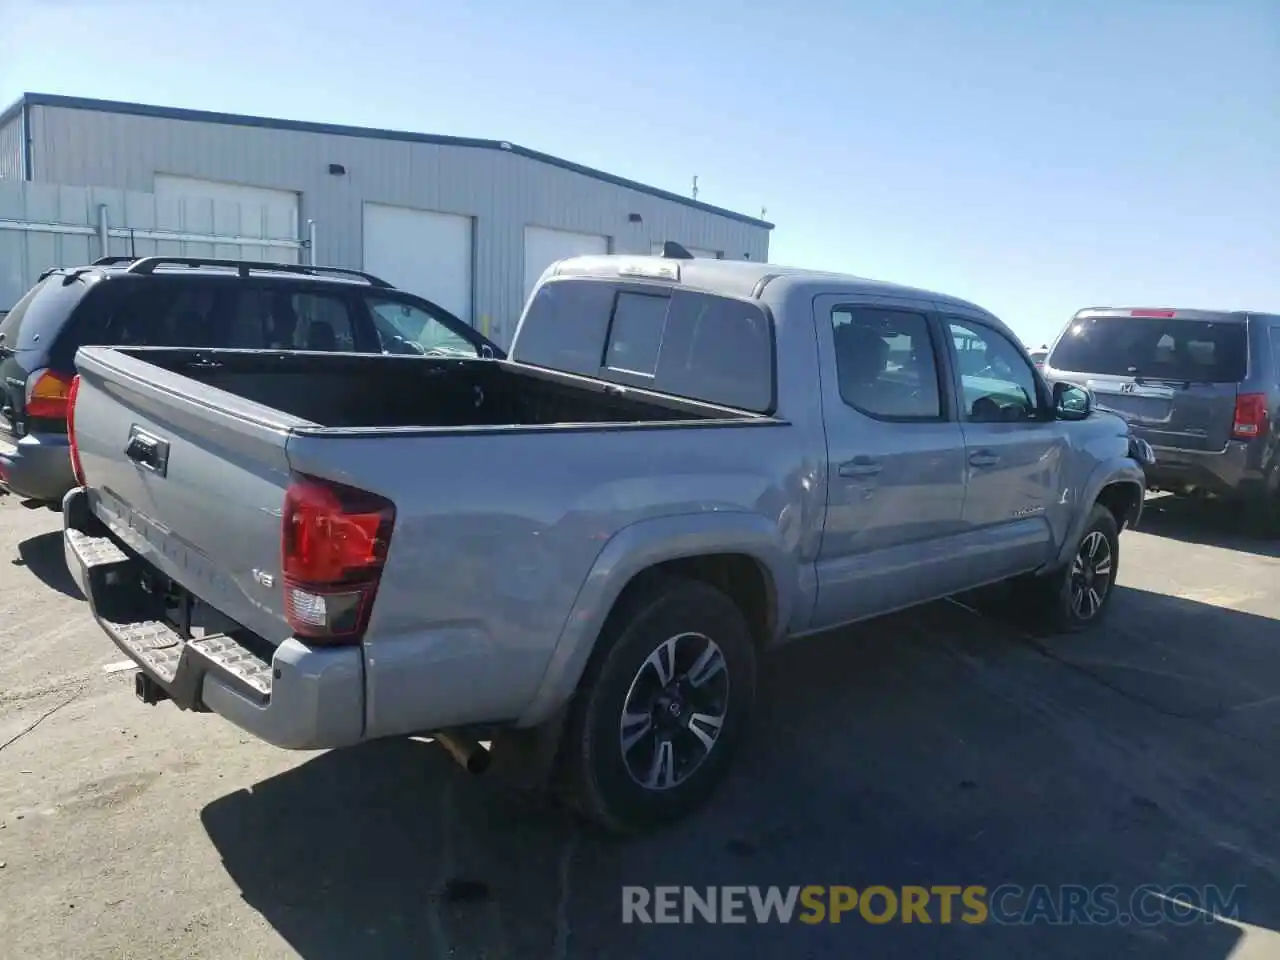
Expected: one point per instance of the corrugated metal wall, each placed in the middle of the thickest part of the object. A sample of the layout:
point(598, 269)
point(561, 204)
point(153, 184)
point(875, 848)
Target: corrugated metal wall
point(11, 148)
point(61, 229)
point(502, 191)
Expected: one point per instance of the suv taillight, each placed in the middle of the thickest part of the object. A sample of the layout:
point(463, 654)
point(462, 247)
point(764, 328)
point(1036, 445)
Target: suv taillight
point(1251, 416)
point(47, 395)
point(334, 541)
point(72, 393)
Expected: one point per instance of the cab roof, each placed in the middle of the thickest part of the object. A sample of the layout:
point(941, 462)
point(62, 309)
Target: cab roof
point(745, 279)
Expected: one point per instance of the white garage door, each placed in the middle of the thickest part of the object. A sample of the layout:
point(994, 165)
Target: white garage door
point(544, 246)
point(422, 251)
point(282, 206)
point(698, 252)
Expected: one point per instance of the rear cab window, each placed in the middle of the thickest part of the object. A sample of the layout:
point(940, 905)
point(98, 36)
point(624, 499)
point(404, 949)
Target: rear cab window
point(1163, 348)
point(682, 342)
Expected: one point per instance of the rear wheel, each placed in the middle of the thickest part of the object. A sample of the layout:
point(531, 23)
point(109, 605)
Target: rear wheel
point(1263, 511)
point(661, 708)
point(1078, 595)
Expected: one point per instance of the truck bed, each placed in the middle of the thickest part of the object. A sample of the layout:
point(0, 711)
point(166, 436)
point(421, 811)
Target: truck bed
point(368, 391)
point(188, 453)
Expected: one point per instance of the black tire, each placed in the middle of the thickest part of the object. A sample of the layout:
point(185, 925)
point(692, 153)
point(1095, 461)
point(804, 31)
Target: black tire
point(599, 782)
point(1058, 601)
point(1262, 512)
point(1262, 517)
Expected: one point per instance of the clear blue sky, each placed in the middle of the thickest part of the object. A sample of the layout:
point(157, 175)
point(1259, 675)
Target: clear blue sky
point(1035, 158)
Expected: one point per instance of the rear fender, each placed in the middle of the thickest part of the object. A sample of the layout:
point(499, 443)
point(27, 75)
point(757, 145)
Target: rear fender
point(636, 548)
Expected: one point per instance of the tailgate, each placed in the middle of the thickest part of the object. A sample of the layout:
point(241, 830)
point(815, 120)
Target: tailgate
point(1182, 416)
point(191, 478)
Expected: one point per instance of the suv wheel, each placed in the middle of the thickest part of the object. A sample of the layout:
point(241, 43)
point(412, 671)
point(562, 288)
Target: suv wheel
point(659, 712)
point(1078, 595)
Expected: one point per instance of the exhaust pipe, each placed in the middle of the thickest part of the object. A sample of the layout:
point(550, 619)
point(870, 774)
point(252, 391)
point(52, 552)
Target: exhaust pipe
point(470, 754)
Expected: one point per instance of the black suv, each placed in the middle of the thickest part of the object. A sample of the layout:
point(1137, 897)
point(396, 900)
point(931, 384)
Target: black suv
point(1201, 386)
point(182, 302)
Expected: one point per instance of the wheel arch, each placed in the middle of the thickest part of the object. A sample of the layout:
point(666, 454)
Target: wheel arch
point(739, 553)
point(1117, 484)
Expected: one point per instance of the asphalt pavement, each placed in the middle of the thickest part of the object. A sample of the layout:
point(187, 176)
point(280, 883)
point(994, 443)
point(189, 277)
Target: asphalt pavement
point(949, 746)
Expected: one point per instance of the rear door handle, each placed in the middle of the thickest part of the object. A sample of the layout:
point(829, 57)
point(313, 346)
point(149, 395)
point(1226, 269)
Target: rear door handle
point(983, 458)
point(860, 468)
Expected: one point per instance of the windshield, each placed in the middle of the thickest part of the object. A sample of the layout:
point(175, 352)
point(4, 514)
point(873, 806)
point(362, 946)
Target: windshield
point(1160, 348)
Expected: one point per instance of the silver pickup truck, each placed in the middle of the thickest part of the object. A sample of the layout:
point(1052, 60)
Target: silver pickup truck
point(579, 554)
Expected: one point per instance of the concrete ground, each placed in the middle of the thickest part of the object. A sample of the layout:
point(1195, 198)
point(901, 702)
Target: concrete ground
point(940, 747)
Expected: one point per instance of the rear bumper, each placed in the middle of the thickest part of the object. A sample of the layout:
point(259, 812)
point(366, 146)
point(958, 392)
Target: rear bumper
point(1226, 473)
point(302, 699)
point(37, 467)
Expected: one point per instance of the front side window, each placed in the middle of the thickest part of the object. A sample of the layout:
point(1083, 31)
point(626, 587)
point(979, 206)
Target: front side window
point(408, 329)
point(885, 364)
point(997, 383)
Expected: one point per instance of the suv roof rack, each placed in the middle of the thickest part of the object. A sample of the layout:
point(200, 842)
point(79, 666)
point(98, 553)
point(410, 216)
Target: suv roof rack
point(147, 266)
point(111, 261)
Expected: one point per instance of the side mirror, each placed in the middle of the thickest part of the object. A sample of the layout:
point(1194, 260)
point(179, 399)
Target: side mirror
point(1071, 402)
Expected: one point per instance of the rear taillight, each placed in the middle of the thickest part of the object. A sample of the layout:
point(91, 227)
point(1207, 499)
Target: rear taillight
point(1250, 417)
point(71, 430)
point(334, 542)
point(47, 394)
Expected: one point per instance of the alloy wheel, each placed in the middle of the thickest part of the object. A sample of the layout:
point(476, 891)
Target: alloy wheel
point(1091, 576)
point(674, 711)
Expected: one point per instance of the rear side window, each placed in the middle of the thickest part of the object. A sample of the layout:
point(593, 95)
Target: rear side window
point(324, 322)
point(165, 313)
point(278, 318)
point(1164, 348)
point(696, 345)
point(145, 314)
point(885, 364)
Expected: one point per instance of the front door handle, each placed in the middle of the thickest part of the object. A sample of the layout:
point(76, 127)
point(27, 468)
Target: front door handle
point(860, 468)
point(983, 458)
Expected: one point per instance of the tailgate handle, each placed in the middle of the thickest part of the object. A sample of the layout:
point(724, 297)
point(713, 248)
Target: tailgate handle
point(148, 451)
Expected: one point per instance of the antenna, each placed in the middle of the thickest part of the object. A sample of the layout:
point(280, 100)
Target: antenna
point(695, 187)
point(763, 211)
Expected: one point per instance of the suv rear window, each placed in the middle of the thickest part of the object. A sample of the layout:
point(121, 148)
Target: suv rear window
point(1200, 351)
point(36, 319)
point(697, 345)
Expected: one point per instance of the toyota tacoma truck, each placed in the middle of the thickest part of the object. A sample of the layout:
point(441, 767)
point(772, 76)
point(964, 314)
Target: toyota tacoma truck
point(579, 553)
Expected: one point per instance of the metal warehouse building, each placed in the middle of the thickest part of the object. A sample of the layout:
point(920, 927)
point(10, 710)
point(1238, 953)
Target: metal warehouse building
point(468, 223)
